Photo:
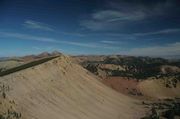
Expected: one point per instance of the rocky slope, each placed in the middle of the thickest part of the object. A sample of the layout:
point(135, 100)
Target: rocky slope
point(150, 77)
point(61, 89)
point(128, 66)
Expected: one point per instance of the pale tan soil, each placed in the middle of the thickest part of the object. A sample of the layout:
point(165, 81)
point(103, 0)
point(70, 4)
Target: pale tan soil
point(121, 84)
point(150, 89)
point(157, 89)
point(60, 89)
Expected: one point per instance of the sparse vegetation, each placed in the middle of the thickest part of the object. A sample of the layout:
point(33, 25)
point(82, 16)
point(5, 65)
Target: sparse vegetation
point(134, 67)
point(135, 92)
point(7, 106)
point(3, 89)
point(168, 109)
point(10, 115)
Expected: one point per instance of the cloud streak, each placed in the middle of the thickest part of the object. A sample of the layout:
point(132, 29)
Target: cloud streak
point(164, 31)
point(110, 42)
point(169, 49)
point(120, 13)
point(37, 25)
point(111, 18)
point(164, 50)
point(45, 27)
point(52, 40)
point(27, 37)
point(114, 15)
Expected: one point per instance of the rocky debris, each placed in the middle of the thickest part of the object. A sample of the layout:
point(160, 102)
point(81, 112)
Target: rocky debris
point(7, 106)
point(135, 92)
point(168, 109)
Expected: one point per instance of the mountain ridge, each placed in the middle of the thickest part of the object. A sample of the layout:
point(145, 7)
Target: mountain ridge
point(56, 89)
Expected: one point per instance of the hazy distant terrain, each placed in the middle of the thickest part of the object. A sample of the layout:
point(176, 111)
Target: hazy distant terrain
point(137, 69)
point(53, 85)
point(129, 66)
point(143, 78)
point(62, 89)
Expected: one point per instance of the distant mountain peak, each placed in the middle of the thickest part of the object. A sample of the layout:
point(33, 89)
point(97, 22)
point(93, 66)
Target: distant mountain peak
point(44, 54)
point(56, 53)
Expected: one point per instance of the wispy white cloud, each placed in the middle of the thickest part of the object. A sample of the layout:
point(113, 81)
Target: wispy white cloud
point(120, 13)
point(46, 48)
point(106, 19)
point(164, 31)
point(114, 15)
point(46, 27)
point(73, 34)
point(27, 37)
point(37, 25)
point(90, 45)
point(165, 50)
point(36, 48)
point(133, 36)
point(52, 40)
point(111, 42)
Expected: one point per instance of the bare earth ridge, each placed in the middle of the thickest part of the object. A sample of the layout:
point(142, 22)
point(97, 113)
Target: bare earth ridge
point(61, 89)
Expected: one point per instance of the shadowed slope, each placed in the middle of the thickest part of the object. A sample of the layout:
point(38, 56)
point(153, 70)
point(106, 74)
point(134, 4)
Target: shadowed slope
point(60, 89)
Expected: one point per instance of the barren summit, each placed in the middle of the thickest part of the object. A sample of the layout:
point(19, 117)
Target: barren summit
point(61, 89)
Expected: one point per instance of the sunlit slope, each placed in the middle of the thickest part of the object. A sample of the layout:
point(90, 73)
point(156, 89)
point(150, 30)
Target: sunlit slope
point(159, 89)
point(60, 89)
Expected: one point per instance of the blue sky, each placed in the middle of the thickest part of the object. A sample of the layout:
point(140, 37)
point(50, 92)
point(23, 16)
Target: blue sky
point(127, 27)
